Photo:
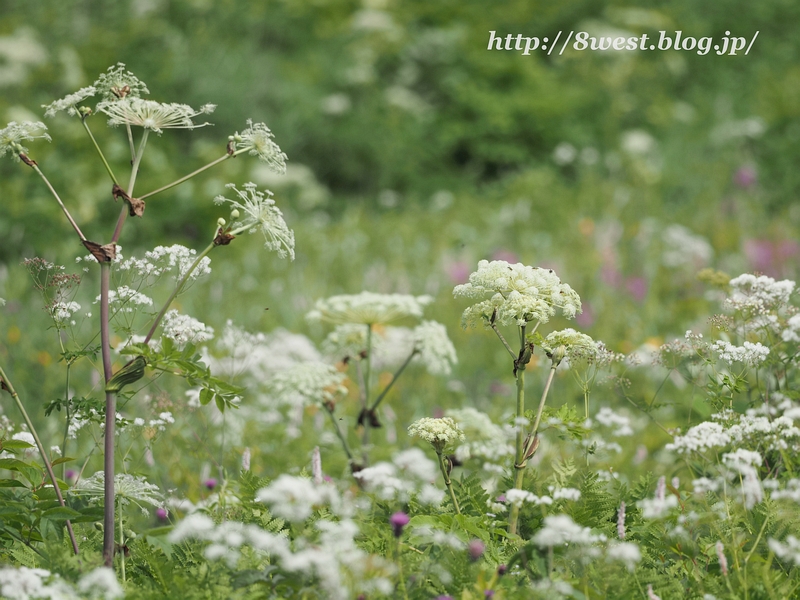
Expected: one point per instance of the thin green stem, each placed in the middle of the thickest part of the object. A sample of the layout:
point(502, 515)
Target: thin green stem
point(121, 543)
point(397, 374)
point(131, 184)
point(538, 419)
point(190, 175)
point(66, 424)
point(447, 481)
point(502, 339)
point(367, 377)
point(99, 152)
point(60, 203)
point(7, 385)
point(177, 290)
point(130, 141)
point(400, 571)
point(513, 520)
point(111, 411)
point(338, 431)
point(758, 539)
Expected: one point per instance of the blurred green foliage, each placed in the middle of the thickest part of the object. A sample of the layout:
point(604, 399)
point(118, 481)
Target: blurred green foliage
point(415, 152)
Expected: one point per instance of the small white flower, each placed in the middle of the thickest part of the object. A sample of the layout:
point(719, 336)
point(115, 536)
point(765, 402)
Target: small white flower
point(441, 433)
point(257, 138)
point(117, 83)
point(307, 383)
point(69, 102)
point(14, 133)
point(292, 498)
point(561, 529)
point(751, 354)
point(436, 351)
point(368, 308)
point(100, 583)
point(625, 552)
point(184, 329)
point(260, 214)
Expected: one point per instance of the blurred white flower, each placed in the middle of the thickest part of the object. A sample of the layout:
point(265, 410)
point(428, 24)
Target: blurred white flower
point(69, 102)
point(12, 136)
point(184, 329)
point(561, 529)
point(368, 308)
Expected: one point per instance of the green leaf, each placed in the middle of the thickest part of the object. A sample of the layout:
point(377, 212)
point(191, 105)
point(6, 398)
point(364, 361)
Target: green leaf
point(61, 460)
point(15, 445)
point(60, 513)
point(206, 395)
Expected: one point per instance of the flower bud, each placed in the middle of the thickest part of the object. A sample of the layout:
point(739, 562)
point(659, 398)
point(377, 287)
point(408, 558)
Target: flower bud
point(235, 214)
point(221, 222)
point(558, 355)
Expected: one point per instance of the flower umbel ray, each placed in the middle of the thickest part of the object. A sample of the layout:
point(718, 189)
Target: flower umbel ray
point(14, 133)
point(152, 115)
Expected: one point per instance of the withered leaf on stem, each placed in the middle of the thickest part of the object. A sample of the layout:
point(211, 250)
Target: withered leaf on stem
point(135, 206)
point(103, 254)
point(27, 160)
point(223, 238)
point(368, 416)
point(3, 386)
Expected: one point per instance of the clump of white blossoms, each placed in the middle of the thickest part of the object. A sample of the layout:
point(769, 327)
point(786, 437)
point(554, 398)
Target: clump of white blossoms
point(184, 329)
point(100, 583)
point(758, 295)
point(751, 354)
point(751, 432)
point(117, 83)
point(294, 498)
point(620, 424)
point(571, 344)
point(22, 583)
point(792, 331)
point(627, 553)
point(124, 297)
point(661, 504)
point(127, 489)
point(435, 349)
point(257, 139)
point(409, 473)
point(69, 102)
point(13, 134)
point(484, 439)
point(307, 383)
point(391, 346)
point(368, 308)
point(257, 212)
point(789, 550)
point(166, 259)
point(517, 294)
point(63, 311)
point(152, 115)
point(561, 529)
point(440, 433)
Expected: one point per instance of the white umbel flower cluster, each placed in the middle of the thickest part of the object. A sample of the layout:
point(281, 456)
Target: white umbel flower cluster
point(792, 331)
point(69, 102)
point(294, 498)
point(259, 213)
point(13, 134)
point(307, 383)
point(175, 259)
point(368, 308)
point(257, 138)
point(759, 295)
point(788, 550)
point(152, 115)
point(518, 294)
point(485, 440)
point(436, 351)
point(743, 431)
point(63, 311)
point(575, 346)
point(127, 488)
point(117, 82)
point(183, 329)
point(561, 529)
point(409, 473)
point(751, 354)
point(441, 433)
point(24, 583)
point(627, 553)
point(124, 298)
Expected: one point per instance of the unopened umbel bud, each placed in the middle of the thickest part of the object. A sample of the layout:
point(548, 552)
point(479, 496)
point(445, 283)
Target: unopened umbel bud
point(558, 355)
point(234, 214)
point(221, 222)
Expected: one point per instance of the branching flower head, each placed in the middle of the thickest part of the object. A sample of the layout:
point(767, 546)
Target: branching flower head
point(307, 383)
point(127, 489)
point(14, 134)
point(570, 343)
point(257, 138)
point(440, 433)
point(436, 351)
point(118, 83)
point(518, 294)
point(257, 212)
point(368, 308)
point(152, 115)
point(69, 102)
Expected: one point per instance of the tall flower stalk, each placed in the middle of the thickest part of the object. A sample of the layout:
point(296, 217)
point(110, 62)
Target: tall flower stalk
point(121, 102)
point(518, 295)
